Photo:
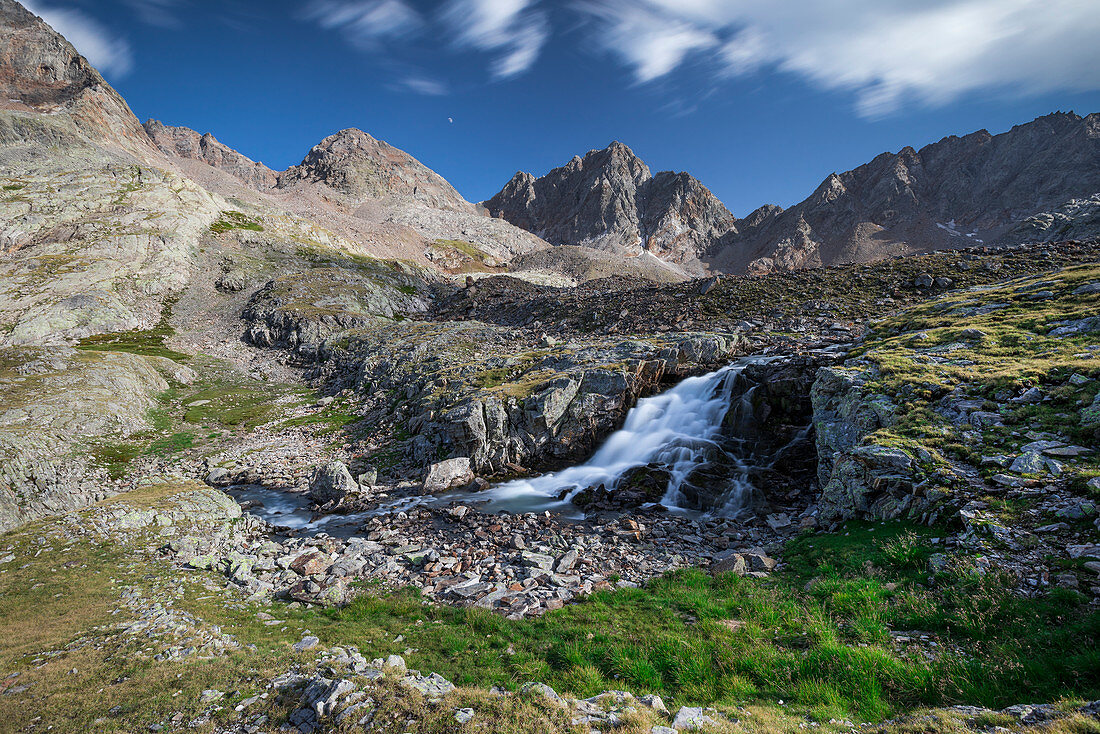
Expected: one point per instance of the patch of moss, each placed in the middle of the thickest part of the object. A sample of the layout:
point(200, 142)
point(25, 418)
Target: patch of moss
point(143, 342)
point(171, 444)
point(115, 456)
point(230, 220)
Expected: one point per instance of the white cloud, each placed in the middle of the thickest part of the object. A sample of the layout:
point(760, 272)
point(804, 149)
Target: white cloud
point(106, 51)
point(424, 85)
point(652, 42)
point(366, 22)
point(886, 52)
point(513, 28)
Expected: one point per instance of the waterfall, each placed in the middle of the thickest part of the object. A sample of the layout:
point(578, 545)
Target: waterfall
point(679, 430)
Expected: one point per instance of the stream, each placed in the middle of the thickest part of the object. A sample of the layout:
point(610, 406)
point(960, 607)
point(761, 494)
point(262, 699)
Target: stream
point(703, 421)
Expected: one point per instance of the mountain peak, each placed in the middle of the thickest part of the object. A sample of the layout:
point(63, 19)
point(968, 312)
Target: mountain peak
point(359, 166)
point(609, 200)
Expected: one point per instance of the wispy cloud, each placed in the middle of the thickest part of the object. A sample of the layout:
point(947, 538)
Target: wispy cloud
point(515, 29)
point(652, 42)
point(366, 22)
point(423, 85)
point(885, 52)
point(108, 52)
point(161, 13)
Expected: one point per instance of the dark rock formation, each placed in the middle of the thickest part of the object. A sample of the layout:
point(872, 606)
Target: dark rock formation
point(610, 200)
point(955, 192)
point(1022, 185)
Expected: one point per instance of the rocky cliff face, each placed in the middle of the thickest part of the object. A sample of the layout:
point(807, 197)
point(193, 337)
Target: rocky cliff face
point(183, 142)
point(41, 72)
point(357, 165)
point(977, 188)
point(609, 200)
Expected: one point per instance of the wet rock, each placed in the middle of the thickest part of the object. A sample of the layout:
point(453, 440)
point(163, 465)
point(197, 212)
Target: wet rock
point(449, 474)
point(642, 485)
point(332, 482)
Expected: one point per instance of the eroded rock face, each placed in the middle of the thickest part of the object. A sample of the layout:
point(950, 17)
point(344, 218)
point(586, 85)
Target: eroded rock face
point(184, 142)
point(359, 166)
point(52, 402)
point(300, 310)
point(609, 200)
point(861, 478)
point(94, 250)
point(41, 71)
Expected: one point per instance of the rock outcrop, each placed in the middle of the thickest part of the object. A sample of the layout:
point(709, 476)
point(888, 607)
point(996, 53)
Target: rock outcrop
point(609, 200)
point(859, 478)
point(183, 142)
point(56, 407)
point(360, 167)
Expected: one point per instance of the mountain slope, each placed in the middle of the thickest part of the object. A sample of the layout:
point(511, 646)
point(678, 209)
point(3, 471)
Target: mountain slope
point(975, 188)
point(40, 71)
point(609, 200)
point(361, 167)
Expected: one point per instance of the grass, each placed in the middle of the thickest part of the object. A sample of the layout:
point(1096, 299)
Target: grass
point(925, 352)
point(815, 636)
point(142, 342)
point(826, 651)
point(230, 220)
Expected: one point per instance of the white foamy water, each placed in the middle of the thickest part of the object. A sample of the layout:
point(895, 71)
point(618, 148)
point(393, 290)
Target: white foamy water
point(677, 430)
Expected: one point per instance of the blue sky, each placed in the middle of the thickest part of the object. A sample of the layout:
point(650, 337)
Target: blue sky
point(759, 100)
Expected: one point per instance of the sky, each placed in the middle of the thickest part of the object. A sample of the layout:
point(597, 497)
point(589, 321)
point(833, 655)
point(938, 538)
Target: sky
point(759, 99)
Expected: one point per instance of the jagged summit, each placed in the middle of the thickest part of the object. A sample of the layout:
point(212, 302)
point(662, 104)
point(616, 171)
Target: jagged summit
point(973, 189)
point(610, 200)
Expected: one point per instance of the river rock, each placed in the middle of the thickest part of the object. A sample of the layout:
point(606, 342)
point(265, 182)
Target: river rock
point(449, 474)
point(332, 482)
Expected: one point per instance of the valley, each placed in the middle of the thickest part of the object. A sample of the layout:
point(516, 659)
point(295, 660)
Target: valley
point(334, 449)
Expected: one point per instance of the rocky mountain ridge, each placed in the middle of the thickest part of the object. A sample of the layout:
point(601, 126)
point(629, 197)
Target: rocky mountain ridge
point(183, 142)
point(975, 188)
point(979, 188)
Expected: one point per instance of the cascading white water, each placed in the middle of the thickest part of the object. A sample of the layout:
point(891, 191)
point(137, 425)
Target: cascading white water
point(676, 430)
